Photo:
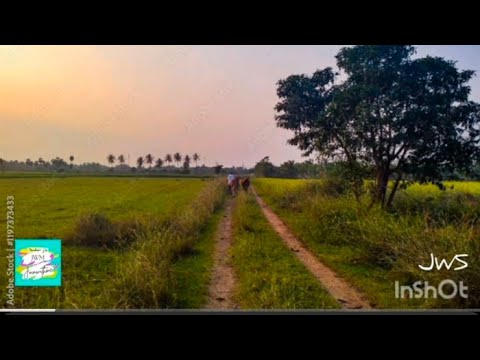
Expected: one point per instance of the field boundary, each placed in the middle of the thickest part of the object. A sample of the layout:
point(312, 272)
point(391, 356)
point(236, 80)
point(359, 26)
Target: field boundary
point(348, 296)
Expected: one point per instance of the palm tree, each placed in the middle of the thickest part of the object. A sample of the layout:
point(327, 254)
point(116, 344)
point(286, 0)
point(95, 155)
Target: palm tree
point(177, 157)
point(186, 162)
point(29, 162)
point(121, 159)
point(71, 161)
point(2, 164)
point(196, 157)
point(111, 159)
point(140, 162)
point(159, 163)
point(168, 158)
point(149, 159)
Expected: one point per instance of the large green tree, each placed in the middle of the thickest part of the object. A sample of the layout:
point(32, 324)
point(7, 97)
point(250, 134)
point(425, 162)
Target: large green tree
point(288, 169)
point(404, 117)
point(264, 168)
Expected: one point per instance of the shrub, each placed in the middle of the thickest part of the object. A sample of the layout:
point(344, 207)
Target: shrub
point(96, 230)
point(146, 277)
point(127, 231)
point(333, 186)
point(93, 230)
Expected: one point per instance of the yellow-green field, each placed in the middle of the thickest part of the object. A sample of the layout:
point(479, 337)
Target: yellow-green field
point(470, 187)
point(420, 190)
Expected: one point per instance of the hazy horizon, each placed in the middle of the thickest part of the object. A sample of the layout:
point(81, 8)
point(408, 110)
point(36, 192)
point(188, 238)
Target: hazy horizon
point(90, 101)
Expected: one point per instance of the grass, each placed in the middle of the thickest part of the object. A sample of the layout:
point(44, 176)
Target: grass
point(192, 272)
point(166, 230)
point(269, 274)
point(373, 248)
point(50, 207)
point(55, 209)
point(148, 275)
point(86, 273)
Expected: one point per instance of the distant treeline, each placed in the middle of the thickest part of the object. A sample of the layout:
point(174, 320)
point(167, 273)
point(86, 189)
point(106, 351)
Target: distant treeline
point(264, 168)
point(59, 165)
point(310, 169)
point(289, 169)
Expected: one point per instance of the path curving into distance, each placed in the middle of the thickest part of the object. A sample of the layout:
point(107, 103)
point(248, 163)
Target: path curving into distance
point(341, 290)
point(223, 280)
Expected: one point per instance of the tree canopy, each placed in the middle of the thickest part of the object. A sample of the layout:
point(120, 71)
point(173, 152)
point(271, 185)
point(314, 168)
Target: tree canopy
point(404, 117)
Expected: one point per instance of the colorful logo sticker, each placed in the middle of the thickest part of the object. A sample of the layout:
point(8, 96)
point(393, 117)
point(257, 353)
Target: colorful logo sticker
point(38, 262)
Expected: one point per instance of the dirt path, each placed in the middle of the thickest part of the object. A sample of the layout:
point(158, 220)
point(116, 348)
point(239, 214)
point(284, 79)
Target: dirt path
point(223, 279)
point(343, 292)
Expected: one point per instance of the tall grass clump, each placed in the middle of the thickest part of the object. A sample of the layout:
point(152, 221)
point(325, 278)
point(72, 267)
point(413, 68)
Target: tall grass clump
point(97, 230)
point(92, 230)
point(443, 242)
point(146, 278)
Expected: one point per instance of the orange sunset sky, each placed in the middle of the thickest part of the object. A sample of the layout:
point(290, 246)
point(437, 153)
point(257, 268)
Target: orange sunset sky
point(89, 101)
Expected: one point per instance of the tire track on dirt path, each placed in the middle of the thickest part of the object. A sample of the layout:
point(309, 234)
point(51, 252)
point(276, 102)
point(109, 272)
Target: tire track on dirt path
point(223, 280)
point(342, 291)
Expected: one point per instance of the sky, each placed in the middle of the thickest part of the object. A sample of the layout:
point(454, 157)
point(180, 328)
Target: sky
point(217, 101)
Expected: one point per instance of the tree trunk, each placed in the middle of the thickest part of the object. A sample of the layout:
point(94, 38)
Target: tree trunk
point(381, 185)
point(394, 190)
